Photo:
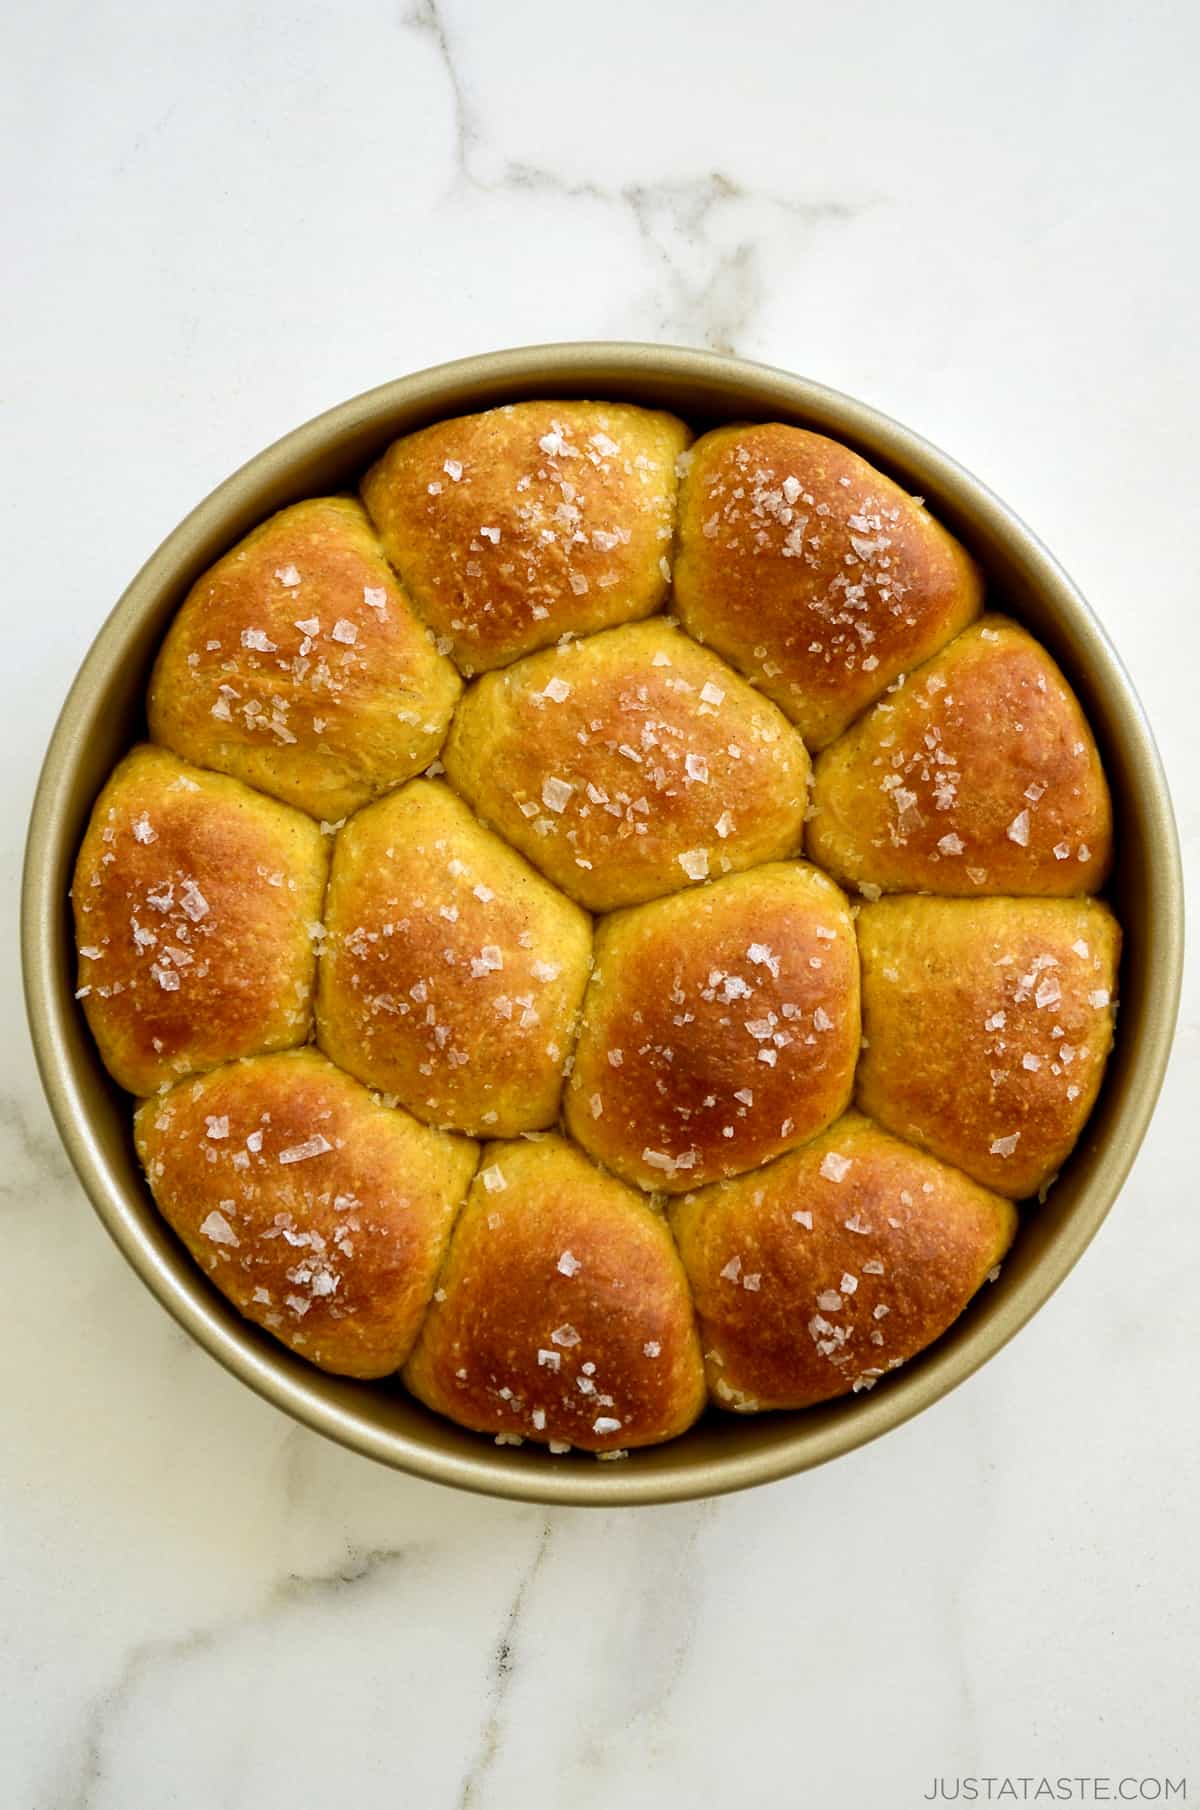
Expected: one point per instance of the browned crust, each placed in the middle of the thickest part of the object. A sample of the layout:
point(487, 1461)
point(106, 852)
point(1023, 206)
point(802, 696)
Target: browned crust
point(562, 1308)
point(319, 1213)
point(451, 971)
point(454, 975)
point(987, 1021)
point(193, 899)
point(814, 574)
point(720, 1028)
point(980, 775)
point(833, 1266)
point(659, 757)
point(297, 664)
point(531, 521)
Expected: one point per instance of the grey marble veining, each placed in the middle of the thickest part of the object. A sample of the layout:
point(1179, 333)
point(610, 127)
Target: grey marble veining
point(699, 238)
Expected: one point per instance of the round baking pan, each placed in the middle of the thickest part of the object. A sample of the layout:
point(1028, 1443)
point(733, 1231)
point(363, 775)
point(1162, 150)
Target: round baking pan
point(104, 714)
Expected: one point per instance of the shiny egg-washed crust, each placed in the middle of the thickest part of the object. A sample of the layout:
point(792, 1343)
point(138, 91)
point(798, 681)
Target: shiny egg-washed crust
point(815, 575)
point(979, 775)
point(621, 762)
point(531, 521)
point(986, 1026)
point(825, 1270)
point(195, 899)
point(322, 1215)
point(297, 664)
point(451, 972)
point(719, 1029)
point(562, 1312)
point(719, 1035)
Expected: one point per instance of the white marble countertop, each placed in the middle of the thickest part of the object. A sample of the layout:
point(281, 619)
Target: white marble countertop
point(223, 219)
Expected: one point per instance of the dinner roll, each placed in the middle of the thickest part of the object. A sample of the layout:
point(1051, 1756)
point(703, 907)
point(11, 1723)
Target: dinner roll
point(814, 574)
point(665, 1093)
point(297, 664)
point(451, 971)
point(195, 902)
point(720, 1028)
point(562, 1313)
point(980, 775)
point(822, 1272)
point(319, 1213)
point(529, 522)
point(986, 1024)
point(628, 763)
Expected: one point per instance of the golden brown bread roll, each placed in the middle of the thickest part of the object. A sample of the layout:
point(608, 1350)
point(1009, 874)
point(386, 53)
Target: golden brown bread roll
point(814, 574)
point(825, 1270)
point(195, 903)
point(627, 769)
point(629, 764)
point(451, 971)
point(979, 775)
point(321, 1214)
point(986, 1025)
point(720, 1028)
point(562, 1313)
point(531, 521)
point(297, 665)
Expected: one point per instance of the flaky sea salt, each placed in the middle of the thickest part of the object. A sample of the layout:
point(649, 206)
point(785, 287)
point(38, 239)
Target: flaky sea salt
point(259, 641)
point(218, 1228)
point(556, 794)
point(192, 901)
point(300, 1153)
